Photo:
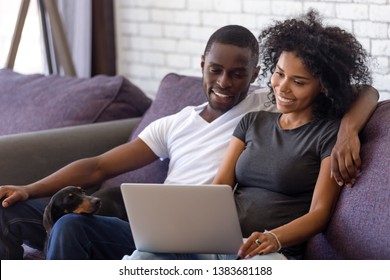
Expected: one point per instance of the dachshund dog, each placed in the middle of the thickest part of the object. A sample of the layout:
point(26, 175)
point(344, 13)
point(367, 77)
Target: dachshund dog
point(105, 202)
point(68, 200)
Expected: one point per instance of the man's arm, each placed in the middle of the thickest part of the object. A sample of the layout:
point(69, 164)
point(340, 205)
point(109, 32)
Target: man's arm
point(84, 173)
point(345, 157)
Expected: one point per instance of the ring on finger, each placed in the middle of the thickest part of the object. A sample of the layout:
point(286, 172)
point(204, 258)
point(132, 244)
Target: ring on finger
point(258, 242)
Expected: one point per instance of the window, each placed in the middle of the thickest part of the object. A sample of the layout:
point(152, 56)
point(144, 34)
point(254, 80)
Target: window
point(30, 55)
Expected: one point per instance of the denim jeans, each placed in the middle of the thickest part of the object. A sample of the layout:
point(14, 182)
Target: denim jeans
point(82, 237)
point(21, 223)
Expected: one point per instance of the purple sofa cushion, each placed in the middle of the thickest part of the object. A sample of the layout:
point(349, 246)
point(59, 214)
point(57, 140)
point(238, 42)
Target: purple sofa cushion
point(360, 226)
point(36, 102)
point(175, 93)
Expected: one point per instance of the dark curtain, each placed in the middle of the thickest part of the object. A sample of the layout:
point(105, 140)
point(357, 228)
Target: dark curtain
point(103, 38)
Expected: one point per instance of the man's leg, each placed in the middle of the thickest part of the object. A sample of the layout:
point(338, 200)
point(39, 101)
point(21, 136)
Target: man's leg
point(21, 222)
point(82, 237)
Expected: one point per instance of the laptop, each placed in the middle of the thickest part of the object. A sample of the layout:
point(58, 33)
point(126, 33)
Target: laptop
point(183, 218)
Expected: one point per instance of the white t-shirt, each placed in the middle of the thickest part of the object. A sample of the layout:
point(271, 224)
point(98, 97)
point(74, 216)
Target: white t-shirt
point(195, 147)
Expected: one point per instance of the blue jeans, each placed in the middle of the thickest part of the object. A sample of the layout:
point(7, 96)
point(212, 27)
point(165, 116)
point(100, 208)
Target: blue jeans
point(82, 237)
point(21, 223)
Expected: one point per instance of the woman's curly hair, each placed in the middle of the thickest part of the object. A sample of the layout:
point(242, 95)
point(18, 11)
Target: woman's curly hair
point(330, 54)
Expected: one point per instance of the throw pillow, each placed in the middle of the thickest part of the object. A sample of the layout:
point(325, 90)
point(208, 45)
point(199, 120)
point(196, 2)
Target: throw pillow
point(36, 102)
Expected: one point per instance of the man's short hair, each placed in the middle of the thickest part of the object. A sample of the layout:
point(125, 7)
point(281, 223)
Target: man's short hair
point(235, 35)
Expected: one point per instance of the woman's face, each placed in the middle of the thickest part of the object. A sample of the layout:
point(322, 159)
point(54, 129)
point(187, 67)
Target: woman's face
point(294, 86)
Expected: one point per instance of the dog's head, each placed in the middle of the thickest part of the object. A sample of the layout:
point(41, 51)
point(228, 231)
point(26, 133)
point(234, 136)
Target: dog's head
point(68, 200)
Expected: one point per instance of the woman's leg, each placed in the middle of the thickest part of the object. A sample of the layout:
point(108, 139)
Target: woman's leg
point(271, 256)
point(140, 255)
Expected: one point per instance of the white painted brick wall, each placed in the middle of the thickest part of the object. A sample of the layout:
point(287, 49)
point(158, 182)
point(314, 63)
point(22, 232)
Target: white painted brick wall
point(369, 29)
point(256, 7)
point(155, 37)
point(286, 8)
point(352, 11)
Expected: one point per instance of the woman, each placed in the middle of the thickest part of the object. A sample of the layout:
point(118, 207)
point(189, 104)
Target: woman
point(280, 162)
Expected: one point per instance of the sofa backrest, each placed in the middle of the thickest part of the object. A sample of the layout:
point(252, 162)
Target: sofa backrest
point(360, 226)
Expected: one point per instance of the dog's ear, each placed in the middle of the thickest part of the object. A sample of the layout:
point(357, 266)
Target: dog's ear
point(47, 218)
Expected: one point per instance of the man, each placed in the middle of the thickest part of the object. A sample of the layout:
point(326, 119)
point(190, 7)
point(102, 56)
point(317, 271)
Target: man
point(194, 140)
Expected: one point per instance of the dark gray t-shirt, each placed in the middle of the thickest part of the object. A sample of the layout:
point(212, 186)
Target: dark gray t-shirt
point(277, 171)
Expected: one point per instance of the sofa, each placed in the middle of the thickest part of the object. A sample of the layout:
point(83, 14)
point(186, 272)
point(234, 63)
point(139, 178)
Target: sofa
point(360, 224)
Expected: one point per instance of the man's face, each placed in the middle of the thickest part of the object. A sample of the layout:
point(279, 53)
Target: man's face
point(228, 72)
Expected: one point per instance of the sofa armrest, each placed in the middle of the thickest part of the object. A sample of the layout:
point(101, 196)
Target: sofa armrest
point(27, 157)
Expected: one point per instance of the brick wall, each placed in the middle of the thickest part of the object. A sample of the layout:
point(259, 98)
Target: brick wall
point(155, 37)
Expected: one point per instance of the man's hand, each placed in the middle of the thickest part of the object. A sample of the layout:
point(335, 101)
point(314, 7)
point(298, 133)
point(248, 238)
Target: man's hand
point(12, 194)
point(345, 159)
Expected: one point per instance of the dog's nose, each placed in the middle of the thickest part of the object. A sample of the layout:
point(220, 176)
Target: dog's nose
point(96, 201)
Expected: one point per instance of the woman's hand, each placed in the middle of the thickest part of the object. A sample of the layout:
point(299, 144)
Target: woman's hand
point(259, 244)
point(12, 194)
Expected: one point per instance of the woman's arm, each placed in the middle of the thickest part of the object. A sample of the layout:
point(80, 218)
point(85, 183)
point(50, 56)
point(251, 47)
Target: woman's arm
point(226, 171)
point(345, 157)
point(324, 199)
